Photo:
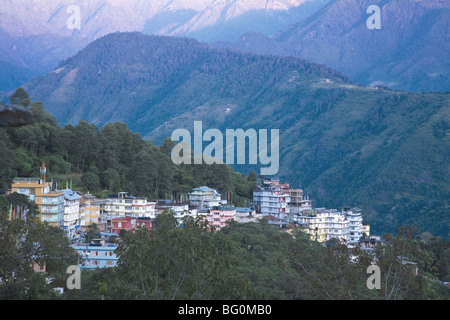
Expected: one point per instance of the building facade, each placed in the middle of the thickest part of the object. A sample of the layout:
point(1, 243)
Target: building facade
point(129, 223)
point(121, 205)
point(97, 254)
point(324, 224)
point(218, 217)
point(272, 200)
point(90, 212)
point(205, 197)
point(50, 203)
point(72, 218)
point(179, 209)
point(354, 218)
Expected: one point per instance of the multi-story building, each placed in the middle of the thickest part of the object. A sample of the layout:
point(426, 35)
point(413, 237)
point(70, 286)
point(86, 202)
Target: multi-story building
point(218, 217)
point(354, 218)
point(129, 223)
point(337, 226)
point(205, 197)
point(179, 209)
point(272, 199)
point(324, 224)
point(97, 254)
point(90, 212)
point(314, 224)
point(50, 203)
point(121, 205)
point(72, 201)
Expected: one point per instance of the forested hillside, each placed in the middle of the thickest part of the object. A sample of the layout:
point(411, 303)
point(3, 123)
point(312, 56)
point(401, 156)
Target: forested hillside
point(382, 150)
point(110, 159)
point(241, 261)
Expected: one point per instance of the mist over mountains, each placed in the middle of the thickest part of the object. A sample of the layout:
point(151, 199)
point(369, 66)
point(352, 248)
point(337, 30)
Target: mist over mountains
point(35, 35)
point(410, 51)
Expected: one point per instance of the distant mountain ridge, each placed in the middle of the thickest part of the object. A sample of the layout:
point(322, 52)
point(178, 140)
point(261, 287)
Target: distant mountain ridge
point(382, 150)
point(410, 51)
point(37, 34)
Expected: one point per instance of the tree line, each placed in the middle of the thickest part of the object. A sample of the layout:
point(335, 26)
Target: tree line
point(251, 261)
point(107, 160)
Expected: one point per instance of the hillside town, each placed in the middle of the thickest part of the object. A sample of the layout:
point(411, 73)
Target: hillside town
point(278, 202)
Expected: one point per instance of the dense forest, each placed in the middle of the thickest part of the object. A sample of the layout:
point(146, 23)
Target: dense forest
point(107, 160)
point(242, 261)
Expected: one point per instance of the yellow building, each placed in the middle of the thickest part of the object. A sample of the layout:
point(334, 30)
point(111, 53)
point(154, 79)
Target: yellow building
point(315, 226)
point(366, 229)
point(324, 224)
point(89, 211)
point(50, 203)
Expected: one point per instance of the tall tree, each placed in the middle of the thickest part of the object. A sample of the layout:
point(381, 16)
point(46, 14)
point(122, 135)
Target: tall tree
point(20, 98)
point(180, 263)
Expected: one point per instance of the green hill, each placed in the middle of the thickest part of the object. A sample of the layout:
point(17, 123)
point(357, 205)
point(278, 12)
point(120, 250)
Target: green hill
point(382, 150)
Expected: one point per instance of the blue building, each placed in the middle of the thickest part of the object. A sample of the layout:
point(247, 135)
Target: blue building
point(97, 254)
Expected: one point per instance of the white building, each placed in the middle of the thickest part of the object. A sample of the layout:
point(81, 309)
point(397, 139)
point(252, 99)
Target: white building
point(354, 218)
point(247, 214)
point(324, 224)
point(72, 216)
point(121, 205)
point(205, 197)
point(337, 227)
point(272, 200)
point(180, 210)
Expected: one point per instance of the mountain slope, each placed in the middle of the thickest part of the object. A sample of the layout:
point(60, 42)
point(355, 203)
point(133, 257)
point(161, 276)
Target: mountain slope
point(35, 34)
point(410, 52)
point(171, 17)
point(382, 150)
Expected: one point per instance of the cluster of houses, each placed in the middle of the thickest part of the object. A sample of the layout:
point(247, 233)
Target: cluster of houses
point(281, 205)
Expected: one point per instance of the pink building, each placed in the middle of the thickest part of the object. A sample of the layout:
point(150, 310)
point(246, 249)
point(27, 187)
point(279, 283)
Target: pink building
point(218, 217)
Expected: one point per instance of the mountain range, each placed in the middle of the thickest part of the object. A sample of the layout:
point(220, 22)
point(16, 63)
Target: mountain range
point(35, 35)
point(410, 51)
point(383, 150)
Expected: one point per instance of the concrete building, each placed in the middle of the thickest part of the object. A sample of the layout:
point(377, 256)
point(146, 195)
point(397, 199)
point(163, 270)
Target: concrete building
point(180, 209)
point(72, 201)
point(97, 254)
point(50, 203)
point(272, 199)
point(205, 197)
point(324, 224)
point(129, 223)
point(354, 218)
point(121, 204)
point(90, 212)
point(218, 217)
point(368, 243)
